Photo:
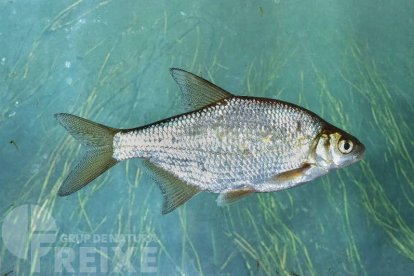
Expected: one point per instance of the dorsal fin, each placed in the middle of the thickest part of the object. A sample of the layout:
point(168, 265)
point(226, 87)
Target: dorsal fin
point(197, 91)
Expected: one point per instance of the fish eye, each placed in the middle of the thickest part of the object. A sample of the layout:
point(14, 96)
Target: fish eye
point(345, 146)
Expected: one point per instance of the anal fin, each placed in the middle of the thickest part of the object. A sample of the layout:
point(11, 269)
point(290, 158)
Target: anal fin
point(175, 191)
point(231, 197)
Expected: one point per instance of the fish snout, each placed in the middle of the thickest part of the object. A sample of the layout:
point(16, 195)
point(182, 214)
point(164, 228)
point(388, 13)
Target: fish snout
point(359, 151)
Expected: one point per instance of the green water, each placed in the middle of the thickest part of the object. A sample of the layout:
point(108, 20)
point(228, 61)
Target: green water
point(352, 62)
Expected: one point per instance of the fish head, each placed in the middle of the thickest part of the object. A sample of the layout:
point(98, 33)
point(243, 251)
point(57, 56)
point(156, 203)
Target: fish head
point(336, 148)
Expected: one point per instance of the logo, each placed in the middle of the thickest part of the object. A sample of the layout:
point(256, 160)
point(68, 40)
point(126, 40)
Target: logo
point(30, 233)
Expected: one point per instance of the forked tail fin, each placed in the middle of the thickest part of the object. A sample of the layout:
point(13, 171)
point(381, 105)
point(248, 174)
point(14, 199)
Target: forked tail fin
point(98, 140)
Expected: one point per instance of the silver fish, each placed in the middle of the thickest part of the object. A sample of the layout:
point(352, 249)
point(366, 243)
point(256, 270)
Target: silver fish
point(231, 145)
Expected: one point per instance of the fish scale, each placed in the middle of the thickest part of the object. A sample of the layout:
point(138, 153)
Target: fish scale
point(234, 143)
point(230, 145)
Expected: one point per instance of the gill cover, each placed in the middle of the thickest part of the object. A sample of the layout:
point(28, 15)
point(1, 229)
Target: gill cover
point(335, 148)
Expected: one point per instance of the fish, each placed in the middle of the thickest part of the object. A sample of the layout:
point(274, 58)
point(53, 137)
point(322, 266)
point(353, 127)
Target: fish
point(230, 145)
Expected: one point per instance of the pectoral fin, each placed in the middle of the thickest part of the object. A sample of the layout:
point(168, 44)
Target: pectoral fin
point(175, 191)
point(294, 177)
point(231, 197)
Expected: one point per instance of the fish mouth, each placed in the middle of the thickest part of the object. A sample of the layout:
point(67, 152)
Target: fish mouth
point(359, 153)
point(356, 156)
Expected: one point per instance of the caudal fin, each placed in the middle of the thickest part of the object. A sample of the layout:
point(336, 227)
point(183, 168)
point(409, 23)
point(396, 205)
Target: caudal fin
point(98, 140)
